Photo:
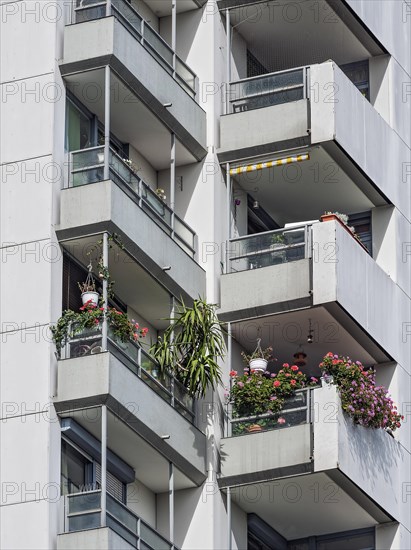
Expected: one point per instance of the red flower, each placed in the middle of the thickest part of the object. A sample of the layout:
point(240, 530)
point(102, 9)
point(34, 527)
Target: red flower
point(293, 382)
point(277, 383)
point(294, 368)
point(330, 354)
point(233, 373)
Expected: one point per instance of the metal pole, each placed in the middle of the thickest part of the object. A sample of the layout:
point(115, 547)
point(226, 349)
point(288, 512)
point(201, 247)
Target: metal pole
point(171, 499)
point(229, 359)
point(106, 122)
point(108, 8)
point(173, 180)
point(229, 545)
point(174, 32)
point(172, 313)
point(103, 465)
point(228, 62)
point(105, 293)
point(228, 190)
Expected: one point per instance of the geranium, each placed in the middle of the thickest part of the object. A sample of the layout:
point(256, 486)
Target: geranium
point(365, 402)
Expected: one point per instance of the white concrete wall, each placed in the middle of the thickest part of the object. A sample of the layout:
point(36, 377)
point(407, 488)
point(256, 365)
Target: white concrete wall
point(145, 171)
point(31, 108)
point(142, 501)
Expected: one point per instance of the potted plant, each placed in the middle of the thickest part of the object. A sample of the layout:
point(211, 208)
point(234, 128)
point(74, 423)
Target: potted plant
point(90, 317)
point(258, 360)
point(191, 346)
point(88, 289)
point(365, 402)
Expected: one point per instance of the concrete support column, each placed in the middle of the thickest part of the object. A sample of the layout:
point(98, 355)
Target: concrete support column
point(103, 465)
point(106, 122)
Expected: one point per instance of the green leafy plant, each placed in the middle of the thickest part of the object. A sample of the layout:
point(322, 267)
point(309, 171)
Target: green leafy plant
point(365, 402)
point(90, 317)
point(253, 393)
point(191, 346)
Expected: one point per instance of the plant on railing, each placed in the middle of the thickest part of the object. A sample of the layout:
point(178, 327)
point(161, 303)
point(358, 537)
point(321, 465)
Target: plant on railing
point(255, 393)
point(365, 402)
point(91, 317)
point(161, 194)
point(342, 217)
point(191, 346)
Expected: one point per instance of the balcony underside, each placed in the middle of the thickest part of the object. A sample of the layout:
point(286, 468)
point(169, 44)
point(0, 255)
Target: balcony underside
point(138, 417)
point(143, 239)
point(91, 45)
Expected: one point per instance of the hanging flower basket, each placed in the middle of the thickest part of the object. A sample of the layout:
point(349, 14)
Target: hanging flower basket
point(258, 360)
point(89, 295)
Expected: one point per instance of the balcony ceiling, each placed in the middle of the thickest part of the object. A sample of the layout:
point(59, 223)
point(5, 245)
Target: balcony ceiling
point(132, 284)
point(150, 466)
point(304, 191)
point(131, 121)
point(287, 34)
point(162, 8)
point(292, 507)
point(286, 332)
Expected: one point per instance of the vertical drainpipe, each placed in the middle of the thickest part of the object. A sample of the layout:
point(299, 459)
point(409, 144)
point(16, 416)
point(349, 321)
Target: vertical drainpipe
point(104, 330)
point(108, 8)
point(228, 191)
point(103, 465)
point(174, 33)
point(172, 181)
point(228, 62)
point(171, 500)
point(106, 122)
point(229, 537)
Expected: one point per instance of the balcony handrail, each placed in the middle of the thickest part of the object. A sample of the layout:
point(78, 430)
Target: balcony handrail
point(127, 510)
point(267, 75)
point(231, 420)
point(273, 231)
point(145, 43)
point(138, 364)
point(137, 192)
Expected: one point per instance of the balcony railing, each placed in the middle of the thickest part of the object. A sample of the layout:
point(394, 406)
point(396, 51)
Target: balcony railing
point(83, 511)
point(296, 411)
point(269, 89)
point(269, 248)
point(87, 166)
point(139, 362)
point(87, 10)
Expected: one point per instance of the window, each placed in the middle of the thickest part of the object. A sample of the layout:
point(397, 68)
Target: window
point(80, 131)
point(362, 226)
point(358, 73)
point(76, 470)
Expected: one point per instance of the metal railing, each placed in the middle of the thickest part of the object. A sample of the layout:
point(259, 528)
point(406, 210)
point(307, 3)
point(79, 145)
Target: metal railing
point(83, 511)
point(269, 89)
point(269, 248)
point(89, 342)
point(87, 10)
point(87, 166)
point(296, 411)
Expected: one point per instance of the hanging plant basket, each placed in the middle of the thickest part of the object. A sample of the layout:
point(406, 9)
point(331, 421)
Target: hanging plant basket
point(88, 289)
point(258, 360)
point(258, 364)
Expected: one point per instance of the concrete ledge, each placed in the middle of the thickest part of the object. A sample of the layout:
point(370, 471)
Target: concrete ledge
point(103, 539)
point(102, 378)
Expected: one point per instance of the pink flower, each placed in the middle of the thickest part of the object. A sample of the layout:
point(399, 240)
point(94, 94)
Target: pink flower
point(233, 373)
point(294, 368)
point(277, 383)
point(281, 420)
point(293, 382)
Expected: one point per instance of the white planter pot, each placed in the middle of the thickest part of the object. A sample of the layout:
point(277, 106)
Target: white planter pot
point(326, 381)
point(258, 364)
point(90, 295)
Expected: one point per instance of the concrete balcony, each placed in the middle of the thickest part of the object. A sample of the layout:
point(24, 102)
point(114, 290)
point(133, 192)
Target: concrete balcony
point(323, 273)
point(158, 82)
point(143, 406)
point(327, 474)
point(146, 225)
point(317, 108)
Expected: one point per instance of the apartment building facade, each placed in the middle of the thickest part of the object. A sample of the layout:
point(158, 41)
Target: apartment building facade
point(190, 147)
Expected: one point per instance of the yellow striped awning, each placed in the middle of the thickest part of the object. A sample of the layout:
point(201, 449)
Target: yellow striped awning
point(268, 164)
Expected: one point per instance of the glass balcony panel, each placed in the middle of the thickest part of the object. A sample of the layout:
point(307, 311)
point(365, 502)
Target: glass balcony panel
point(184, 232)
point(122, 514)
point(181, 394)
point(87, 10)
point(84, 502)
point(123, 171)
point(186, 75)
point(87, 521)
point(87, 158)
point(265, 249)
point(156, 205)
point(272, 89)
point(158, 45)
point(150, 537)
point(121, 530)
point(128, 16)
